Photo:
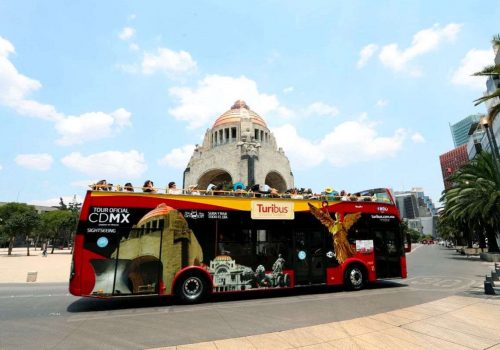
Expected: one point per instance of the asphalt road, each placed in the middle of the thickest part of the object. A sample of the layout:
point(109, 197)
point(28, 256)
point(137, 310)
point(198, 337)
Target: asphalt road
point(45, 316)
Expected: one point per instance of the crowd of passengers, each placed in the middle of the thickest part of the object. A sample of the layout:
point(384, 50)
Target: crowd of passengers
point(238, 189)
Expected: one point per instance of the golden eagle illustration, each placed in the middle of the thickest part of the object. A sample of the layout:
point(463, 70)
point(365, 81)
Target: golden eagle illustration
point(338, 229)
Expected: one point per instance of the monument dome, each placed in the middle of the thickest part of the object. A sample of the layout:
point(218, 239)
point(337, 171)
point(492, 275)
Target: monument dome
point(239, 148)
point(238, 111)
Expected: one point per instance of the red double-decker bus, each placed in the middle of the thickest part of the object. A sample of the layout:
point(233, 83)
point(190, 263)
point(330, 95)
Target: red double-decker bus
point(187, 245)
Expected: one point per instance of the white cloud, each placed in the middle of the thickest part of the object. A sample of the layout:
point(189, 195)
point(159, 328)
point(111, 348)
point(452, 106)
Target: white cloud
point(15, 87)
point(109, 164)
point(83, 184)
point(382, 103)
point(350, 142)
point(54, 202)
point(167, 61)
point(355, 142)
point(1, 167)
point(134, 47)
point(215, 93)
point(417, 138)
point(473, 61)
point(365, 54)
point(321, 109)
point(91, 126)
point(423, 42)
point(40, 161)
point(178, 157)
point(288, 89)
point(302, 152)
point(126, 33)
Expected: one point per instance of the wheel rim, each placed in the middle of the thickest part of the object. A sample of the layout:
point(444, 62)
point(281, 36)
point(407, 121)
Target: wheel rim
point(356, 278)
point(192, 287)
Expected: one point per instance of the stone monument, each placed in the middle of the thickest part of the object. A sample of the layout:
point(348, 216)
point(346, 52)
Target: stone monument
point(239, 148)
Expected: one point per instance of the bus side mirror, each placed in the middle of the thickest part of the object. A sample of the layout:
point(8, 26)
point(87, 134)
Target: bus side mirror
point(408, 243)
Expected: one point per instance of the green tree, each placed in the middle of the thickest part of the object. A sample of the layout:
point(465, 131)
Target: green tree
point(75, 207)
point(57, 225)
point(414, 234)
point(18, 220)
point(474, 199)
point(62, 205)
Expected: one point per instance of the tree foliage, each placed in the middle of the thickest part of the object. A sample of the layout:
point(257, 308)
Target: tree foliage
point(489, 71)
point(472, 205)
point(57, 225)
point(18, 220)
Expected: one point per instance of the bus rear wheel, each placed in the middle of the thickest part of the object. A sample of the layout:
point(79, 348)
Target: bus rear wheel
point(191, 289)
point(354, 278)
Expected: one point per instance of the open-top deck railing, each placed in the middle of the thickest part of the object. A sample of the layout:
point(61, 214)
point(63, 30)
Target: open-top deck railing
point(379, 195)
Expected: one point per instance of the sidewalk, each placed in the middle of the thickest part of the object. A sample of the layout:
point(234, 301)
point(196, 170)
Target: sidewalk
point(455, 322)
point(54, 268)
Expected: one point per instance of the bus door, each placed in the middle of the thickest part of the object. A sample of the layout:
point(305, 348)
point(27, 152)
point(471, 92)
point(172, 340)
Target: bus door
point(387, 252)
point(309, 257)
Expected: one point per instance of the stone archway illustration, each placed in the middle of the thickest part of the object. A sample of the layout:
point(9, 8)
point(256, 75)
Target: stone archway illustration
point(275, 180)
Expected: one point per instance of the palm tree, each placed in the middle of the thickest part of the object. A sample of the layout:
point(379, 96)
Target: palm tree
point(449, 229)
point(475, 197)
point(491, 71)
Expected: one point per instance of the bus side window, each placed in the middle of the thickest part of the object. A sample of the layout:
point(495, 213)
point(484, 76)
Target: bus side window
point(270, 243)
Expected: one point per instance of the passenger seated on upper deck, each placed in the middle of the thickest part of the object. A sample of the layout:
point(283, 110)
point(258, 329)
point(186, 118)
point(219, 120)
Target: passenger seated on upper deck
point(274, 193)
point(210, 188)
point(148, 187)
point(331, 194)
point(261, 190)
point(128, 187)
point(295, 194)
point(101, 185)
point(193, 190)
point(172, 188)
point(217, 190)
point(239, 189)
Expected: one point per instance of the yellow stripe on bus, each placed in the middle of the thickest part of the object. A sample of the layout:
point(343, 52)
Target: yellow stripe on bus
point(235, 203)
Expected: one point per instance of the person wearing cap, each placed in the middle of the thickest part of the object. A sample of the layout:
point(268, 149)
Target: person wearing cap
point(331, 194)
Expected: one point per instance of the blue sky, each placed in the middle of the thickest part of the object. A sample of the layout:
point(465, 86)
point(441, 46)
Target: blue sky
point(359, 94)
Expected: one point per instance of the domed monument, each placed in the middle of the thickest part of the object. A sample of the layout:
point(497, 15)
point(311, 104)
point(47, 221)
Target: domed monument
point(239, 148)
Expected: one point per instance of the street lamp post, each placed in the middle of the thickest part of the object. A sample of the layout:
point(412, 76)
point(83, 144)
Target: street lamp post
point(492, 142)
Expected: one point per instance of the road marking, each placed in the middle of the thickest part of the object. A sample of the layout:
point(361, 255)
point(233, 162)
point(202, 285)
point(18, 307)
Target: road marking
point(440, 282)
point(34, 296)
point(420, 245)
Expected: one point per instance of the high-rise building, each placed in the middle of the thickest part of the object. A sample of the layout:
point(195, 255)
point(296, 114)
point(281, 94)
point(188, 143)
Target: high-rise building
point(460, 130)
point(451, 161)
point(474, 145)
point(417, 210)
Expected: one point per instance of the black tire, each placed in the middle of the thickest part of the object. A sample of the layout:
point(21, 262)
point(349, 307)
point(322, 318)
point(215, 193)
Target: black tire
point(191, 288)
point(354, 277)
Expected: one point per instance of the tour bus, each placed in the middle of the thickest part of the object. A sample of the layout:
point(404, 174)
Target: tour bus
point(191, 245)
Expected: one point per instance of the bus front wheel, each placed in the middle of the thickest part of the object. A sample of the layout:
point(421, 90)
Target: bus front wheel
point(354, 277)
point(191, 289)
